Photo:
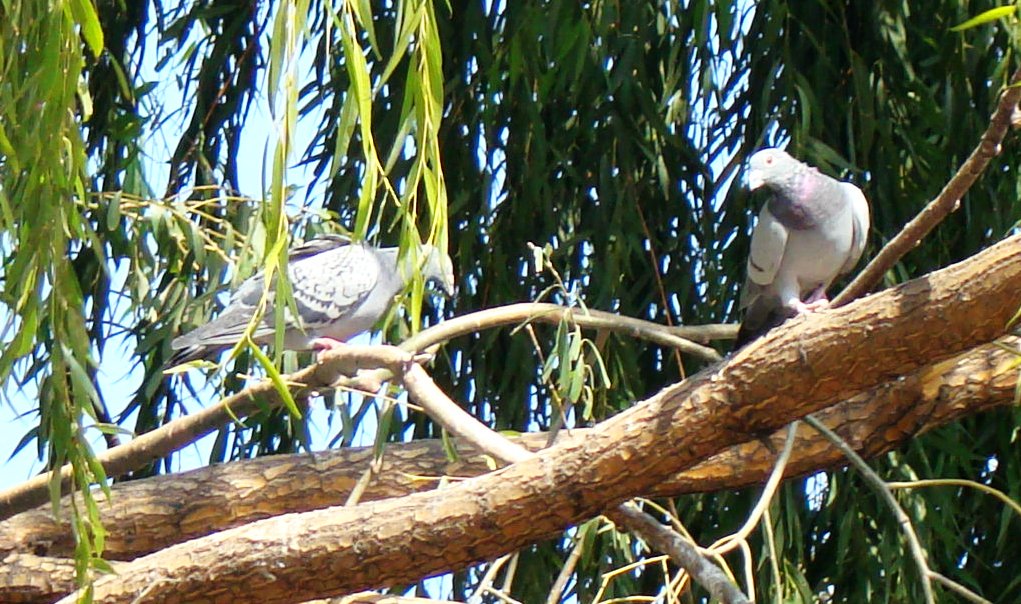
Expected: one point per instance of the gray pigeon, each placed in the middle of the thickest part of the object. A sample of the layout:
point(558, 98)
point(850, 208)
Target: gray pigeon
point(810, 231)
point(340, 290)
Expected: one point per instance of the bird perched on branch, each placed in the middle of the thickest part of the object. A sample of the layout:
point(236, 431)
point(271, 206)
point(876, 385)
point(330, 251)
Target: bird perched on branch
point(811, 230)
point(340, 290)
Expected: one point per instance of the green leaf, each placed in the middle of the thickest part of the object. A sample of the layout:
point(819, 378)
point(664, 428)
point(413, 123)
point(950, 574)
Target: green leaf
point(85, 14)
point(278, 383)
point(385, 420)
point(985, 17)
point(113, 211)
point(449, 447)
point(345, 128)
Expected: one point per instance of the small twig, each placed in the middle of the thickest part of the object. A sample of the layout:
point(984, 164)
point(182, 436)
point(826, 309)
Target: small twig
point(959, 482)
point(774, 565)
point(749, 572)
point(679, 337)
point(560, 417)
point(877, 484)
point(947, 200)
point(503, 597)
point(740, 538)
point(682, 552)
point(363, 482)
point(508, 576)
point(488, 578)
point(957, 588)
point(456, 420)
point(557, 591)
point(654, 263)
point(728, 543)
point(610, 575)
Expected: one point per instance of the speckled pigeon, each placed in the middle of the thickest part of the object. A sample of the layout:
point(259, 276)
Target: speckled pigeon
point(810, 231)
point(340, 290)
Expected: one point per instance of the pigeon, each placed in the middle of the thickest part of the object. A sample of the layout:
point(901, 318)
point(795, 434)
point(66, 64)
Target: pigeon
point(811, 231)
point(340, 290)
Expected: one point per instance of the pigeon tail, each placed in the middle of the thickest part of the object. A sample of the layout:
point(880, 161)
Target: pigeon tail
point(754, 327)
point(192, 353)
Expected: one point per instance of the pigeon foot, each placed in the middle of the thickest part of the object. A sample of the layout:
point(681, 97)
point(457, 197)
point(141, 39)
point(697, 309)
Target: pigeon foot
point(807, 307)
point(322, 345)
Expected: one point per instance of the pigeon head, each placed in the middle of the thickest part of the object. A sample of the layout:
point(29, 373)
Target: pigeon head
point(437, 267)
point(772, 168)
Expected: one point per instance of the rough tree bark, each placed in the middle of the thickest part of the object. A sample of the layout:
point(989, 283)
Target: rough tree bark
point(148, 515)
point(801, 369)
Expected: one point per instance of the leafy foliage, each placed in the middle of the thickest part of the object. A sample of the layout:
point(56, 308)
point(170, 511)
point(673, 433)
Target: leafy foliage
point(611, 134)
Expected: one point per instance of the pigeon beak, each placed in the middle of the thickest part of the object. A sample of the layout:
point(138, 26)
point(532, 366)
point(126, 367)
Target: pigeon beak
point(755, 180)
point(449, 287)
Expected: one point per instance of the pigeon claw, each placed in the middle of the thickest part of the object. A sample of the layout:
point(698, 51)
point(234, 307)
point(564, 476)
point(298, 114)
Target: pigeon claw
point(803, 308)
point(322, 345)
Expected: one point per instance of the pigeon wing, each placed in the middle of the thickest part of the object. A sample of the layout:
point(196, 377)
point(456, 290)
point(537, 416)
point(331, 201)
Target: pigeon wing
point(859, 223)
point(328, 276)
point(327, 287)
point(769, 241)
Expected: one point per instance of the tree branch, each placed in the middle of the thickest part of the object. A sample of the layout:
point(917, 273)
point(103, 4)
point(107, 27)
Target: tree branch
point(872, 422)
point(946, 202)
point(457, 421)
point(681, 551)
point(178, 433)
point(791, 372)
point(182, 431)
point(682, 337)
point(876, 483)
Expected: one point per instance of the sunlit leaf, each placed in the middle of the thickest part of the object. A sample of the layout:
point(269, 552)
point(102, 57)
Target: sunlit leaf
point(986, 17)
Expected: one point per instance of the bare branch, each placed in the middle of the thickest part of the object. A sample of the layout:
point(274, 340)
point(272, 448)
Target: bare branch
point(877, 484)
point(957, 588)
point(681, 551)
point(570, 563)
point(457, 421)
point(680, 337)
point(180, 432)
point(873, 422)
point(728, 543)
point(946, 202)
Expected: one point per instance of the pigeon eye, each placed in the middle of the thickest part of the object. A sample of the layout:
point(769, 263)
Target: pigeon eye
point(769, 160)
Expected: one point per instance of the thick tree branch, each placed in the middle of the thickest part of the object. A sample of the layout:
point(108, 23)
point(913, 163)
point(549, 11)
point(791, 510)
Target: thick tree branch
point(802, 368)
point(151, 514)
point(31, 578)
point(180, 432)
point(458, 422)
point(946, 202)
